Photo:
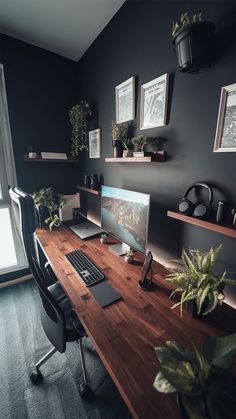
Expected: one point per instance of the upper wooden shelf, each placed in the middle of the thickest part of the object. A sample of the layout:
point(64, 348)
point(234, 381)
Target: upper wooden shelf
point(160, 156)
point(89, 190)
point(209, 225)
point(39, 159)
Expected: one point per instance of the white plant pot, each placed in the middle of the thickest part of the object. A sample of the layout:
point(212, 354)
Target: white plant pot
point(32, 155)
point(138, 153)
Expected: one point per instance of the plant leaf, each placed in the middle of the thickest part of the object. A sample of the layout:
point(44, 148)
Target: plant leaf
point(220, 351)
point(162, 384)
point(180, 374)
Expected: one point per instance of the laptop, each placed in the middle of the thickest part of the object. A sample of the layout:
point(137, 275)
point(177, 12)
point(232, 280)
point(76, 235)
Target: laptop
point(86, 229)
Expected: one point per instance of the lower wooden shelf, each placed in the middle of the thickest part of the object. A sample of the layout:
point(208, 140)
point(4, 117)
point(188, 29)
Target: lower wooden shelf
point(209, 225)
point(160, 156)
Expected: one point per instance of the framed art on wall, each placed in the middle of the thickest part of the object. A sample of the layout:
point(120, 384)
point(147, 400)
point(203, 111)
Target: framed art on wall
point(153, 106)
point(95, 144)
point(125, 101)
point(225, 139)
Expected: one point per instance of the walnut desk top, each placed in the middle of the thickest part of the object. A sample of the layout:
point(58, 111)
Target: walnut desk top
point(126, 332)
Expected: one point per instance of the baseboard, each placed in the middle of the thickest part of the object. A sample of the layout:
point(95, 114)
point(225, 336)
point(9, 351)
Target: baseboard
point(15, 281)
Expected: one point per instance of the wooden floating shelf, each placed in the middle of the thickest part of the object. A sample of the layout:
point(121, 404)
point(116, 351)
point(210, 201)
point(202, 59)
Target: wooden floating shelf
point(160, 156)
point(39, 159)
point(89, 190)
point(209, 225)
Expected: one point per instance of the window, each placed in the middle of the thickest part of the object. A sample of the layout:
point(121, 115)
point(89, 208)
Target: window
point(12, 255)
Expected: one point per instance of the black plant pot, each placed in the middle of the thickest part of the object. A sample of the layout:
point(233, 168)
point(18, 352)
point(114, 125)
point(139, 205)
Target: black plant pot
point(117, 148)
point(192, 305)
point(193, 46)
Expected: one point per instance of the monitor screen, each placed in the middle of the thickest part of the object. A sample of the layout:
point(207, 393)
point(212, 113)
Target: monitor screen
point(125, 214)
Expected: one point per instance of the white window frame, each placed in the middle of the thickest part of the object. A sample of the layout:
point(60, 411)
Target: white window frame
point(8, 173)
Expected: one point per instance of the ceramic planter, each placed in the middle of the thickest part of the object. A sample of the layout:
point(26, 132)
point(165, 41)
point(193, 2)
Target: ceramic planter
point(193, 46)
point(127, 153)
point(32, 155)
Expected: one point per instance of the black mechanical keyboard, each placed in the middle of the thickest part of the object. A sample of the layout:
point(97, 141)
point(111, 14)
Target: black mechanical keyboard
point(86, 269)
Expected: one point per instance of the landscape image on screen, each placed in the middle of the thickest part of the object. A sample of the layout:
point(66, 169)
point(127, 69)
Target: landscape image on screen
point(124, 214)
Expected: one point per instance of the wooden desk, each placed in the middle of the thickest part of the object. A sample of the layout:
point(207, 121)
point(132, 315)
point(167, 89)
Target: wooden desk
point(125, 333)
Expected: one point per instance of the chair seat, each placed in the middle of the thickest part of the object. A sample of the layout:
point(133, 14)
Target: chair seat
point(74, 329)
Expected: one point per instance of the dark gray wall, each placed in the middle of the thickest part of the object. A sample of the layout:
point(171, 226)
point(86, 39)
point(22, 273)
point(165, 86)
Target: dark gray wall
point(137, 42)
point(40, 91)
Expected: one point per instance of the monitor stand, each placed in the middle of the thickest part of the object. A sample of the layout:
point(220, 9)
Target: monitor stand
point(119, 249)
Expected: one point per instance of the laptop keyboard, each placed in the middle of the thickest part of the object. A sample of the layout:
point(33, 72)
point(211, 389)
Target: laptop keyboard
point(86, 269)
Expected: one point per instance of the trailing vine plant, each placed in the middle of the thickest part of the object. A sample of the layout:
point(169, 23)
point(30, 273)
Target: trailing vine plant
point(79, 115)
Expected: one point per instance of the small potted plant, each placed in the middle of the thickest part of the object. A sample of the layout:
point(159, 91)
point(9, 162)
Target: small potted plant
point(192, 38)
point(202, 378)
point(119, 135)
point(139, 142)
point(103, 238)
point(196, 282)
point(32, 154)
point(129, 256)
point(128, 147)
point(78, 116)
point(48, 203)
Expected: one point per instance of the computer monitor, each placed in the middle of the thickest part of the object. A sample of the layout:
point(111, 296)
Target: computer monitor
point(125, 215)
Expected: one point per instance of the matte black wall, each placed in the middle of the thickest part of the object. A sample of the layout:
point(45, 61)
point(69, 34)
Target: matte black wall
point(137, 42)
point(40, 90)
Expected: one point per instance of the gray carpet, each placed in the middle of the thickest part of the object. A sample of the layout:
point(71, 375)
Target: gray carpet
point(22, 343)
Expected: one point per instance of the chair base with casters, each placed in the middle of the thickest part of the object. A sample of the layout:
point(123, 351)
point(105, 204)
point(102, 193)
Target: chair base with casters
point(74, 331)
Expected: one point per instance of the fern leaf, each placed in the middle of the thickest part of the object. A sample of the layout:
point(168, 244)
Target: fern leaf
point(202, 297)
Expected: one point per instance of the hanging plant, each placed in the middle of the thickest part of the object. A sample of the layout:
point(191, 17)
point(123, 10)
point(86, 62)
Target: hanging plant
point(79, 115)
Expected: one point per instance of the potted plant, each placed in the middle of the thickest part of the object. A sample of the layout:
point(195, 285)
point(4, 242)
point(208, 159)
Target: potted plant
point(103, 238)
point(202, 377)
point(79, 115)
point(197, 283)
point(192, 38)
point(32, 154)
point(128, 147)
point(129, 256)
point(139, 142)
point(119, 134)
point(48, 203)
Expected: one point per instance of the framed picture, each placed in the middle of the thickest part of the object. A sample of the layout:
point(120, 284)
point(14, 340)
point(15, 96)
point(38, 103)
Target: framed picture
point(225, 139)
point(153, 106)
point(95, 144)
point(125, 101)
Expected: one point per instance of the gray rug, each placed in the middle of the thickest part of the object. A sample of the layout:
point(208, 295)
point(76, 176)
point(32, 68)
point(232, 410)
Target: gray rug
point(22, 343)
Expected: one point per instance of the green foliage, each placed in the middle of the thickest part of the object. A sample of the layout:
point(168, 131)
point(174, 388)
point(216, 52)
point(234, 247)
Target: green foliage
point(103, 235)
point(202, 376)
point(196, 280)
point(46, 198)
point(119, 131)
point(127, 143)
point(140, 141)
point(185, 20)
point(78, 118)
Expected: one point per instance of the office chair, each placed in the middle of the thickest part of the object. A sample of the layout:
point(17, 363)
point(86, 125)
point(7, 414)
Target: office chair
point(58, 317)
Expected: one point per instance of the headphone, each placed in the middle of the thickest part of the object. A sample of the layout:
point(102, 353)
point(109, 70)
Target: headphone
point(200, 210)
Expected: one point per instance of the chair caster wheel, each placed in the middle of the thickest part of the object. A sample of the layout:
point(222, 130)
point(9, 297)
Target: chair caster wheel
point(85, 391)
point(36, 377)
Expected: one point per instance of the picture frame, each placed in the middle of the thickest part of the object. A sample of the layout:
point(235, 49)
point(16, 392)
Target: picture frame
point(153, 102)
point(225, 138)
point(125, 101)
point(95, 144)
